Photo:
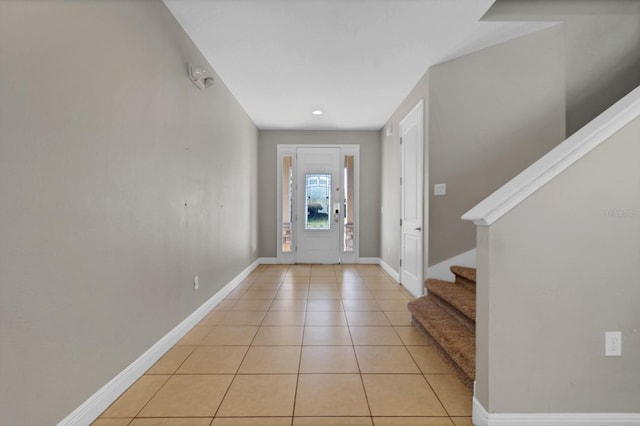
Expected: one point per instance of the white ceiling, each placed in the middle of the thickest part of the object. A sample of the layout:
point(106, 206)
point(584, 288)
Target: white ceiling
point(354, 59)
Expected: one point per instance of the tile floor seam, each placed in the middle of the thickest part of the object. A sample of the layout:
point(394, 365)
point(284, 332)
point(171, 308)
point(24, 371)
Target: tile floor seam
point(295, 394)
point(153, 396)
point(437, 396)
point(234, 376)
point(353, 348)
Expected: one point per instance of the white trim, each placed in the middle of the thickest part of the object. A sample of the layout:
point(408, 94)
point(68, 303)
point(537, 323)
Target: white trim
point(483, 418)
point(556, 161)
point(352, 256)
point(292, 149)
point(389, 270)
point(407, 227)
point(441, 270)
point(480, 416)
point(281, 151)
point(369, 260)
point(89, 410)
point(270, 261)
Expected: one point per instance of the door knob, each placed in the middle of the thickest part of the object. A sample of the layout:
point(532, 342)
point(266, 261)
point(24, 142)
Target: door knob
point(418, 229)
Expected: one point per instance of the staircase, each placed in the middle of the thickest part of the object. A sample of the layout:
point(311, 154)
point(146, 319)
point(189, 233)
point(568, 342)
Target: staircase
point(446, 316)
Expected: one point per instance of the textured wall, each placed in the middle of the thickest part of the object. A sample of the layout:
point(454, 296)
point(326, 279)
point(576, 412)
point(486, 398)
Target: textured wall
point(119, 181)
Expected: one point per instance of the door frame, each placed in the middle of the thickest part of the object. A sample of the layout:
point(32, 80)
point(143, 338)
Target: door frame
point(291, 149)
point(417, 110)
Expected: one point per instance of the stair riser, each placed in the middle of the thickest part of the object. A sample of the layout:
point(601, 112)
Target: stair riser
point(463, 319)
point(464, 275)
point(464, 377)
point(446, 317)
point(465, 282)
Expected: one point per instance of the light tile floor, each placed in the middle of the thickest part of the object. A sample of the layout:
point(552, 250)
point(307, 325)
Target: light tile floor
point(300, 345)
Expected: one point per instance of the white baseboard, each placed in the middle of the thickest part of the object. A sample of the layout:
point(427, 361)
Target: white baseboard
point(103, 398)
point(368, 260)
point(441, 270)
point(389, 270)
point(361, 260)
point(482, 418)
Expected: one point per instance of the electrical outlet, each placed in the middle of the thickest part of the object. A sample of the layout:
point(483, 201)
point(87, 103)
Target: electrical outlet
point(613, 343)
point(196, 283)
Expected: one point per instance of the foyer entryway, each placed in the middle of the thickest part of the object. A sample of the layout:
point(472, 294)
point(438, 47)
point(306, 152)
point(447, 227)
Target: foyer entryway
point(318, 204)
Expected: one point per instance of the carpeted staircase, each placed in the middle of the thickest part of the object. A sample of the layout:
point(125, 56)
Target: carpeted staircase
point(446, 316)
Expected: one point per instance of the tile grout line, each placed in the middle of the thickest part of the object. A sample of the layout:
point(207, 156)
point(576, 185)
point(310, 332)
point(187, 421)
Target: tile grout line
point(237, 369)
point(364, 389)
point(305, 317)
point(295, 393)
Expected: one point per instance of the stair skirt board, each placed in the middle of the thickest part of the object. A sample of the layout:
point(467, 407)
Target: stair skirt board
point(482, 418)
point(89, 410)
point(441, 270)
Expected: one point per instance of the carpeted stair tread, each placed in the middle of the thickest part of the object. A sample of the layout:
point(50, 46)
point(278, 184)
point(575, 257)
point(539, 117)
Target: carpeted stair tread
point(460, 297)
point(453, 338)
point(464, 275)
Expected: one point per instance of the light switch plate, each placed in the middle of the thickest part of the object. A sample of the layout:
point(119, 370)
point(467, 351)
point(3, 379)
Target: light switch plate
point(613, 343)
point(440, 189)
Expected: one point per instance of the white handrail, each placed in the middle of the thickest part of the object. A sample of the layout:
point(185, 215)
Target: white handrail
point(556, 161)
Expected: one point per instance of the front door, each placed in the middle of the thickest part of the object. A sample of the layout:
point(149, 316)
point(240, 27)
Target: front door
point(411, 267)
point(318, 202)
point(319, 205)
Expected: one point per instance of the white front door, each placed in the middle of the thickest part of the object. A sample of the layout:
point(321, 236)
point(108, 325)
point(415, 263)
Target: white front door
point(412, 143)
point(319, 205)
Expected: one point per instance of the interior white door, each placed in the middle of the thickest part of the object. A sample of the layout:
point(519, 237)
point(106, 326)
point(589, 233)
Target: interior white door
point(411, 248)
point(319, 205)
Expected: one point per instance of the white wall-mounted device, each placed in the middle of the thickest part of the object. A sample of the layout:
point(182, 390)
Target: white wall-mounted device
point(198, 75)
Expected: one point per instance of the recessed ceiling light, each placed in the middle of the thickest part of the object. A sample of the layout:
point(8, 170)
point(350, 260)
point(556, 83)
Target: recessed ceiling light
point(317, 112)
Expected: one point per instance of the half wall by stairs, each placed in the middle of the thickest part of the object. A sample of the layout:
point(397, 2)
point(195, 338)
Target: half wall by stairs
point(446, 316)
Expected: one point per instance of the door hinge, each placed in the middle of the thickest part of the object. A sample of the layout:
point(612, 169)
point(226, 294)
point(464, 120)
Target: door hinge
point(400, 262)
point(296, 248)
point(400, 181)
point(400, 222)
point(400, 141)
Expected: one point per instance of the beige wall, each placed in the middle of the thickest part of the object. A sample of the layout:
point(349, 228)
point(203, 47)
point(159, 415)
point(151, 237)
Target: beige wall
point(602, 48)
point(492, 113)
point(369, 143)
point(391, 172)
point(488, 115)
point(119, 181)
point(562, 268)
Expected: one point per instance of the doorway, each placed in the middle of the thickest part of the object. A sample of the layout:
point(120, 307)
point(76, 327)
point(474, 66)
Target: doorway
point(318, 203)
point(412, 200)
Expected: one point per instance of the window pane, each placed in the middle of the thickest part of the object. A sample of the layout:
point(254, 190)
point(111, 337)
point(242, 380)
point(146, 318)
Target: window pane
point(287, 213)
point(349, 162)
point(318, 200)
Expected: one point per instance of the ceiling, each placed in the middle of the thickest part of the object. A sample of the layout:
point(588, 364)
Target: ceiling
point(355, 60)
